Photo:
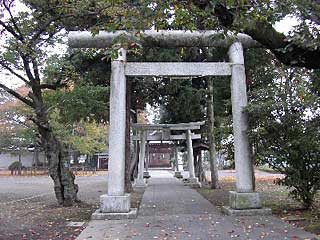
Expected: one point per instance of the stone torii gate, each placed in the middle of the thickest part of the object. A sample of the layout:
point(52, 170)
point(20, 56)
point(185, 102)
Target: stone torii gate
point(116, 203)
point(166, 135)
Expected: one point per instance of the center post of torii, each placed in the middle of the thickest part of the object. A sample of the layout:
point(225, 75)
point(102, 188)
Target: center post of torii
point(116, 203)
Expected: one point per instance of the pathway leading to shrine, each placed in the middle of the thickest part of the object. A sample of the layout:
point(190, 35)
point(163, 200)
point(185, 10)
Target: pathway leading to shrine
point(170, 210)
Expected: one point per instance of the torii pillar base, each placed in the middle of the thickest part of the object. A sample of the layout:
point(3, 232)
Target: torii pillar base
point(146, 174)
point(245, 204)
point(178, 174)
point(114, 208)
point(139, 183)
point(192, 182)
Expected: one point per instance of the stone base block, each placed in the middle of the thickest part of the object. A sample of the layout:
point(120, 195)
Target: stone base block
point(146, 175)
point(139, 183)
point(244, 200)
point(98, 215)
point(114, 204)
point(178, 175)
point(192, 182)
point(246, 212)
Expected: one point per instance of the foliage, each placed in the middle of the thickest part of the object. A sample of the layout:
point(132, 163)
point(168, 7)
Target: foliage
point(181, 102)
point(15, 166)
point(17, 133)
point(257, 18)
point(284, 127)
point(90, 137)
point(85, 136)
point(80, 102)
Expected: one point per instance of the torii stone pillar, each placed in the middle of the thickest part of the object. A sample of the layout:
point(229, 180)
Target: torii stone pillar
point(146, 172)
point(192, 181)
point(244, 197)
point(139, 182)
point(177, 173)
point(116, 203)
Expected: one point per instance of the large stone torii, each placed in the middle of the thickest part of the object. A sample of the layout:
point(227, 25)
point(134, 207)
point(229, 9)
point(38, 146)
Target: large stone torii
point(116, 203)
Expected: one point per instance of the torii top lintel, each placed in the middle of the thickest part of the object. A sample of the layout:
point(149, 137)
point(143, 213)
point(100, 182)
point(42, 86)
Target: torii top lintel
point(178, 126)
point(161, 38)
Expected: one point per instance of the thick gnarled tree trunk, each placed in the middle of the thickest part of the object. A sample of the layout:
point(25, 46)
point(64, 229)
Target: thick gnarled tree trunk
point(58, 158)
point(64, 187)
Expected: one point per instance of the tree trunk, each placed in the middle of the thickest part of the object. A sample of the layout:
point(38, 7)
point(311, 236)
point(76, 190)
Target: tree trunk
point(64, 187)
point(128, 185)
point(58, 159)
point(212, 144)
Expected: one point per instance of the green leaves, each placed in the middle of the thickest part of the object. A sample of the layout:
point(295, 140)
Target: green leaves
point(81, 102)
point(284, 126)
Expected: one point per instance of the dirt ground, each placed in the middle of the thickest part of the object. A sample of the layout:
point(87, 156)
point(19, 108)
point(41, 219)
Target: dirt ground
point(274, 197)
point(28, 210)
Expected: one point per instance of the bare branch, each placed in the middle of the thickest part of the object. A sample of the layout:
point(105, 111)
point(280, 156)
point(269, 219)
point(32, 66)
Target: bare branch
point(14, 72)
point(10, 30)
point(16, 95)
point(8, 8)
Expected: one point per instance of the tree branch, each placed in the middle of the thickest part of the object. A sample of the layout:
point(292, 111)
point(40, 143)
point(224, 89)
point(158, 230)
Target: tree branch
point(262, 31)
point(10, 30)
point(8, 8)
point(16, 95)
point(287, 52)
point(36, 70)
point(14, 72)
point(54, 86)
point(27, 67)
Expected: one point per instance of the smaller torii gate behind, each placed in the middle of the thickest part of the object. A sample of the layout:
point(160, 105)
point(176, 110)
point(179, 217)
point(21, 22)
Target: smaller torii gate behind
point(166, 135)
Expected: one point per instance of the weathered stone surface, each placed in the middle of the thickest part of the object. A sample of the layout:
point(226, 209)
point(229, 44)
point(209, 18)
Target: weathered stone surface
point(160, 137)
point(160, 38)
point(139, 183)
point(243, 164)
point(98, 215)
point(192, 182)
point(177, 126)
point(244, 200)
point(246, 212)
point(114, 204)
point(117, 127)
point(190, 154)
point(177, 69)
